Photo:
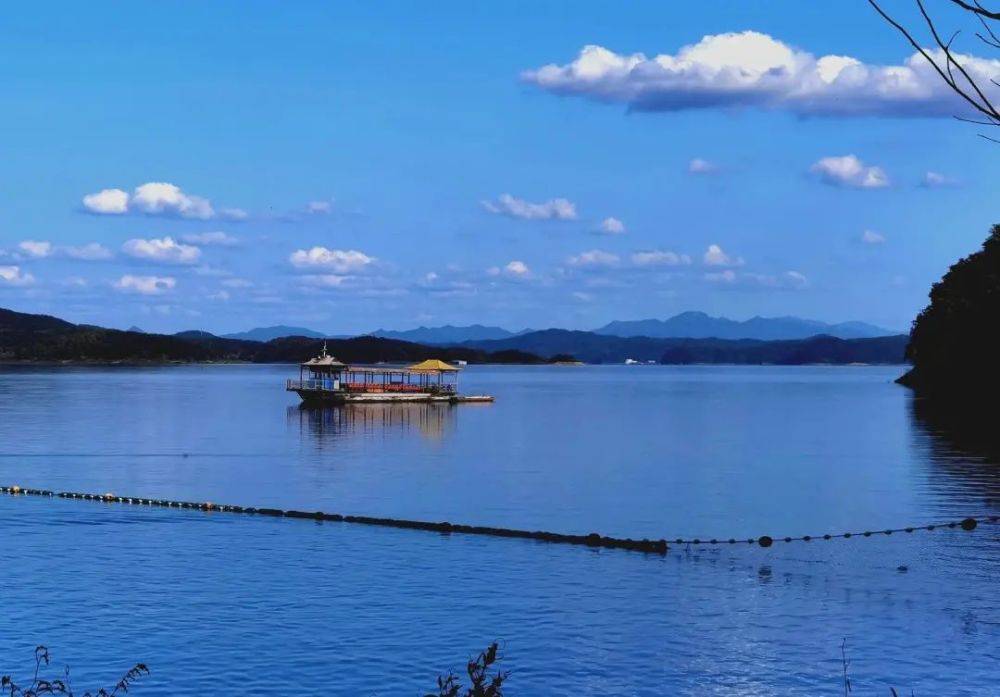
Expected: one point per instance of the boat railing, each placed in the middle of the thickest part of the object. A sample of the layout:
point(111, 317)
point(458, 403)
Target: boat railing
point(366, 387)
point(309, 385)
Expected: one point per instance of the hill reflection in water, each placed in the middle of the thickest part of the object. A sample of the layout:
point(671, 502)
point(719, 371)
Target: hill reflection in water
point(962, 440)
point(329, 424)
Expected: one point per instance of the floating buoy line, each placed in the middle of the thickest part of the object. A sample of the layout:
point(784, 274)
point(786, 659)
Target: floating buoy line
point(592, 540)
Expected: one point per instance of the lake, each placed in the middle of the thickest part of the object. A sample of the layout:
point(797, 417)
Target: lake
point(254, 605)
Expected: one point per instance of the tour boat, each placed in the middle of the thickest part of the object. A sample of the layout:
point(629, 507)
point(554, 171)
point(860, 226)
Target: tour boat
point(326, 380)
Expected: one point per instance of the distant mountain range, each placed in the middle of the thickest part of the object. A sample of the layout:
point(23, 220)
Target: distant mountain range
point(448, 334)
point(698, 325)
point(276, 332)
point(600, 348)
point(41, 338)
point(25, 337)
point(687, 325)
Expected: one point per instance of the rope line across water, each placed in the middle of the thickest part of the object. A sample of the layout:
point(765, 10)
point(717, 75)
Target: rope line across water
point(592, 540)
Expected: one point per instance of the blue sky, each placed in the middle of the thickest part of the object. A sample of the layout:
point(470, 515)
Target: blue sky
point(349, 166)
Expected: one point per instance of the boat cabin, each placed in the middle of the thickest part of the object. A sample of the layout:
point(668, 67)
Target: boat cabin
point(325, 378)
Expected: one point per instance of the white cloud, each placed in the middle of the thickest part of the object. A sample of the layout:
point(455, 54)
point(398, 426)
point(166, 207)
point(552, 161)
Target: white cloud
point(714, 256)
point(727, 276)
point(517, 268)
point(337, 260)
point(319, 207)
point(107, 202)
point(157, 199)
point(88, 252)
point(327, 280)
point(593, 258)
point(75, 282)
point(849, 171)
point(612, 226)
point(789, 280)
point(795, 279)
point(31, 249)
point(655, 257)
point(162, 250)
point(145, 285)
point(583, 297)
point(222, 295)
point(936, 180)
point(553, 209)
point(13, 276)
point(751, 69)
point(35, 250)
point(235, 214)
point(162, 198)
point(872, 237)
point(236, 283)
point(216, 238)
point(700, 166)
point(513, 269)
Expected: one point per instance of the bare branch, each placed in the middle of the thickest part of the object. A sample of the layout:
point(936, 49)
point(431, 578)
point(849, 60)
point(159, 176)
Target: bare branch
point(977, 9)
point(962, 84)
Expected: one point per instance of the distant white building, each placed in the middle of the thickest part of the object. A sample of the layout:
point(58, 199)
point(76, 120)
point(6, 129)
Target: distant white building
point(631, 361)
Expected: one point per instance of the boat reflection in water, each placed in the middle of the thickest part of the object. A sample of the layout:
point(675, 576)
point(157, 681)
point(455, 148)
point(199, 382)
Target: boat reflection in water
point(329, 424)
point(962, 440)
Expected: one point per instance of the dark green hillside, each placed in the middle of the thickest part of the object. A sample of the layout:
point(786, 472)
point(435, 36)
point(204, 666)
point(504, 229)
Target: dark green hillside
point(955, 341)
point(40, 338)
point(599, 348)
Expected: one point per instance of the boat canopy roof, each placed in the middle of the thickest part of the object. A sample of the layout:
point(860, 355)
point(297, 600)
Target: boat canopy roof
point(324, 360)
point(433, 365)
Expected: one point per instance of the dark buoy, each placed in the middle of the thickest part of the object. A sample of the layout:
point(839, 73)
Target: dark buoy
point(969, 524)
point(765, 541)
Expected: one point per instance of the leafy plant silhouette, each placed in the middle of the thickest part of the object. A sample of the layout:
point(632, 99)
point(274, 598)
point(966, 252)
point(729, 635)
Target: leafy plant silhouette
point(482, 683)
point(41, 686)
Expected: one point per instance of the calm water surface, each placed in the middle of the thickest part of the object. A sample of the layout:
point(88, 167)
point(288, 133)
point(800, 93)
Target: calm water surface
point(262, 606)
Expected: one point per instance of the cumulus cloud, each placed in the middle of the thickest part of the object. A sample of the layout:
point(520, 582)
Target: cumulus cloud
point(88, 252)
point(714, 256)
point(339, 261)
point(849, 171)
point(553, 209)
point(795, 279)
point(319, 207)
point(700, 166)
point(656, 257)
point(513, 269)
point(215, 238)
point(157, 199)
point(13, 276)
point(164, 250)
point(936, 180)
point(612, 226)
point(35, 250)
point(593, 258)
point(872, 237)
point(727, 276)
point(145, 285)
point(752, 69)
point(106, 202)
point(789, 280)
point(32, 249)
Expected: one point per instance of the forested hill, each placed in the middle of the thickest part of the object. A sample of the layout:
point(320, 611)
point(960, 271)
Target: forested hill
point(597, 348)
point(25, 337)
point(40, 338)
